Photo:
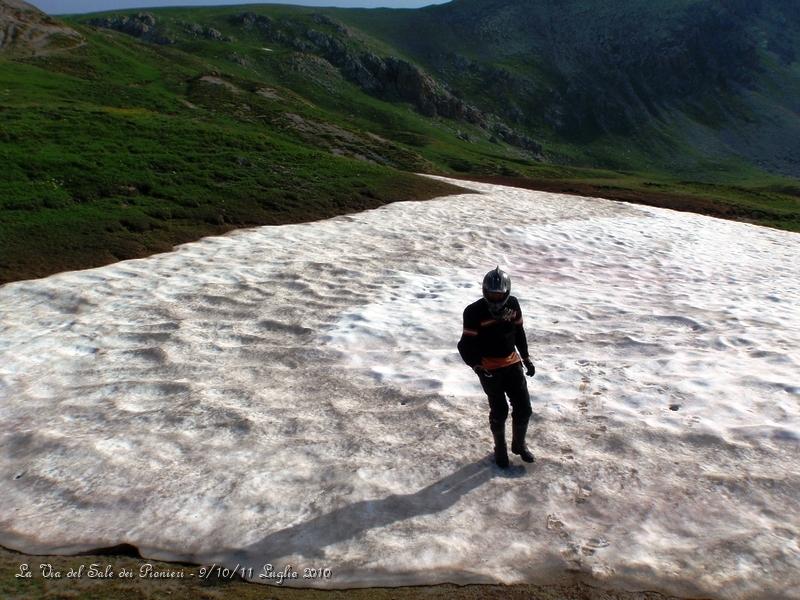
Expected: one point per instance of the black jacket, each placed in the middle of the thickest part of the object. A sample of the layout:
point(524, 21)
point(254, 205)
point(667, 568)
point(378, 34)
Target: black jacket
point(485, 337)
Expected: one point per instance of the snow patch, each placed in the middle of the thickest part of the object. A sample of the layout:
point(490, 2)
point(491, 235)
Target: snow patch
point(293, 394)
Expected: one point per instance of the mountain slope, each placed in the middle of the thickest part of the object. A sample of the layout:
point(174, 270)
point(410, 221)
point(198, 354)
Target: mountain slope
point(166, 125)
point(690, 86)
point(718, 81)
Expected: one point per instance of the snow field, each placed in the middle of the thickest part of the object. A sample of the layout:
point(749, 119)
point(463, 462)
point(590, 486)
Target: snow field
point(293, 394)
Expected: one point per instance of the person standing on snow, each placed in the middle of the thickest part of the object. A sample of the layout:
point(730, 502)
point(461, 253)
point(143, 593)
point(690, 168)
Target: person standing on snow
point(492, 329)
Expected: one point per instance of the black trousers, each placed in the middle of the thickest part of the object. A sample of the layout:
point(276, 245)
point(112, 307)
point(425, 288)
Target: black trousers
point(507, 380)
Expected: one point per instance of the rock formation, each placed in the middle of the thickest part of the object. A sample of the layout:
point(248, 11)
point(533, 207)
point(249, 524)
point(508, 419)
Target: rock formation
point(24, 29)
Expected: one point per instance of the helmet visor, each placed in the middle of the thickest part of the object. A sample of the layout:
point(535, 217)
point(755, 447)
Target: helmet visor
point(495, 296)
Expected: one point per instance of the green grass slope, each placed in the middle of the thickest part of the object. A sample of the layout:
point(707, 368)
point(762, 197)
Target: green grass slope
point(176, 123)
point(120, 148)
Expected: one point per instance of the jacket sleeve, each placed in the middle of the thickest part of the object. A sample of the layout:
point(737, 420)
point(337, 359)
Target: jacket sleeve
point(520, 340)
point(468, 344)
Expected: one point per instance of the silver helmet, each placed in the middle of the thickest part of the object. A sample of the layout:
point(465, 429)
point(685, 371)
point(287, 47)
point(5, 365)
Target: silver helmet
point(496, 289)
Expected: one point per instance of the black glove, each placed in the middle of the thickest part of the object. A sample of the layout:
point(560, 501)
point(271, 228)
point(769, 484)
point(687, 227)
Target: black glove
point(530, 369)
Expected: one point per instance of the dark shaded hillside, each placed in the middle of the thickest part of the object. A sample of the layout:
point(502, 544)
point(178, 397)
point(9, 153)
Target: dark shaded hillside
point(693, 73)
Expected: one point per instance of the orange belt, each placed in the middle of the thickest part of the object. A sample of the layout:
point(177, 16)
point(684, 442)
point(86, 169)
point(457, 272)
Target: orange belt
point(493, 362)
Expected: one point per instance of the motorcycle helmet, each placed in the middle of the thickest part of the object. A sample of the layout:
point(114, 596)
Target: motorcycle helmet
point(496, 290)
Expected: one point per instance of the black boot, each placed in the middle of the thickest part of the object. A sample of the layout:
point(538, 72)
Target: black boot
point(500, 450)
point(518, 430)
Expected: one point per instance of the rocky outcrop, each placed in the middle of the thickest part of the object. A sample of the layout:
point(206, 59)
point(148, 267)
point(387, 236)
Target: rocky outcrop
point(201, 31)
point(26, 30)
point(249, 20)
point(140, 25)
point(387, 77)
point(395, 79)
point(509, 136)
point(333, 23)
point(313, 68)
point(390, 78)
point(143, 25)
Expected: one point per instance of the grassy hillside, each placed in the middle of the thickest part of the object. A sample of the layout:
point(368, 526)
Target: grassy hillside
point(119, 148)
point(176, 123)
